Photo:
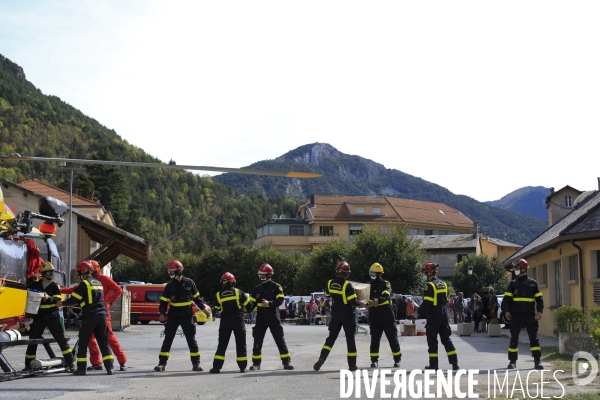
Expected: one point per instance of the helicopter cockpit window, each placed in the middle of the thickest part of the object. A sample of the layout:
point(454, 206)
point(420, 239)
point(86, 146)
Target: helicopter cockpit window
point(13, 260)
point(54, 257)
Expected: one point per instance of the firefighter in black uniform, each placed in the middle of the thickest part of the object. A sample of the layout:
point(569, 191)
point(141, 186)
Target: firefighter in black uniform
point(267, 297)
point(180, 292)
point(520, 302)
point(48, 316)
point(344, 300)
point(232, 302)
point(89, 295)
point(434, 304)
point(381, 316)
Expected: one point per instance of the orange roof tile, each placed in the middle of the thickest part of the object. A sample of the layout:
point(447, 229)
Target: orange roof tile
point(45, 189)
point(397, 210)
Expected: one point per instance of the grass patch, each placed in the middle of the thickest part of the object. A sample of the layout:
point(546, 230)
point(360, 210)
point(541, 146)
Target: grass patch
point(559, 361)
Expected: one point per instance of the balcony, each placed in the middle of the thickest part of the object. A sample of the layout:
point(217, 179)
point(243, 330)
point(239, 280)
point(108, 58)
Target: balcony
point(320, 239)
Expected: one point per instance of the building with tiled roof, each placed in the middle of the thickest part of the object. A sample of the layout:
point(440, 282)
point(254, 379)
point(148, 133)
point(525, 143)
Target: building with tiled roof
point(445, 232)
point(565, 258)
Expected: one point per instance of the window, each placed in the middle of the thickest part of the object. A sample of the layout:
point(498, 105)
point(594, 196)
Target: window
point(557, 284)
point(428, 231)
point(376, 210)
point(573, 268)
point(296, 230)
point(533, 273)
point(153, 297)
point(544, 275)
point(568, 202)
point(326, 230)
point(459, 257)
point(270, 229)
point(360, 210)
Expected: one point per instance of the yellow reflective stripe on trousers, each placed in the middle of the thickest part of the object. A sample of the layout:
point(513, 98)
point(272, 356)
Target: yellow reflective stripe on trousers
point(433, 355)
point(195, 354)
point(451, 353)
point(31, 356)
point(67, 351)
point(374, 354)
point(108, 358)
point(535, 348)
point(510, 350)
point(286, 355)
point(219, 357)
point(327, 348)
point(525, 299)
point(399, 353)
point(81, 359)
point(258, 357)
point(241, 358)
point(164, 353)
point(186, 303)
point(351, 354)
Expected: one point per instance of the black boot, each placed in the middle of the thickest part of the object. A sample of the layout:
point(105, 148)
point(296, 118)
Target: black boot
point(215, 371)
point(197, 367)
point(318, 364)
point(374, 364)
point(160, 367)
point(538, 364)
point(434, 367)
point(512, 365)
point(255, 367)
point(286, 363)
point(455, 367)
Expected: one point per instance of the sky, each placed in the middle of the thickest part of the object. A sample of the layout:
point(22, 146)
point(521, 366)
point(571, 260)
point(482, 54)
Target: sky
point(482, 98)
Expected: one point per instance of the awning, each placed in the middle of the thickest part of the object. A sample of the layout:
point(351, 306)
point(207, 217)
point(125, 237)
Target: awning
point(113, 241)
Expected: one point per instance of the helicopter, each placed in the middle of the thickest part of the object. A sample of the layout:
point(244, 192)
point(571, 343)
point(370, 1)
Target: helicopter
point(23, 247)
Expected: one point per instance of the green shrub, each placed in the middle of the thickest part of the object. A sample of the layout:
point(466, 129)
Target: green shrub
point(595, 331)
point(494, 321)
point(570, 319)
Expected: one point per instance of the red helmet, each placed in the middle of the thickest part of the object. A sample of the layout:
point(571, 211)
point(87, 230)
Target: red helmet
point(343, 266)
point(265, 272)
point(96, 265)
point(175, 266)
point(265, 269)
point(228, 277)
point(85, 266)
point(520, 263)
point(430, 268)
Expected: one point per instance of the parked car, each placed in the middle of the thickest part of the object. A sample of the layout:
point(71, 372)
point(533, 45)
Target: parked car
point(145, 302)
point(363, 314)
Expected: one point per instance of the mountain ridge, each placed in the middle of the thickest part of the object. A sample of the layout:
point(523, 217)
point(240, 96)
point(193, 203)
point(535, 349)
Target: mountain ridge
point(345, 174)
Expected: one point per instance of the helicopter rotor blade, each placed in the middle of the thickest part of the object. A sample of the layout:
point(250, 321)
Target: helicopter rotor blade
point(247, 171)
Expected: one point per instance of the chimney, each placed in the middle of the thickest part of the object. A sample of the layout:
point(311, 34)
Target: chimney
point(598, 183)
point(90, 196)
point(76, 192)
point(475, 229)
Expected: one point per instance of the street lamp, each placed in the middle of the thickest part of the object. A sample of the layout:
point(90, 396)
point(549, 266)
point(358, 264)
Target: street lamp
point(470, 272)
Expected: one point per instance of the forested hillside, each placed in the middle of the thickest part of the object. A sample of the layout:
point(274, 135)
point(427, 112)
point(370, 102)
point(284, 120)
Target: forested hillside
point(527, 200)
point(177, 211)
point(345, 174)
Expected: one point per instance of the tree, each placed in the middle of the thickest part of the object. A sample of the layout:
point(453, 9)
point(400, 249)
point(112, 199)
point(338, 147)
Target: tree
point(487, 272)
point(320, 267)
point(400, 256)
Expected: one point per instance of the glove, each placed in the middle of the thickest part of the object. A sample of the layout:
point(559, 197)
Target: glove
point(372, 303)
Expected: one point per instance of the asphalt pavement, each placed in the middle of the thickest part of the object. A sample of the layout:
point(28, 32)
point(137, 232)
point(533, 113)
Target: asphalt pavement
point(142, 344)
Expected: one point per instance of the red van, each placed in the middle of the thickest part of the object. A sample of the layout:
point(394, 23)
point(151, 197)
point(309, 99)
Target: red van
point(145, 301)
